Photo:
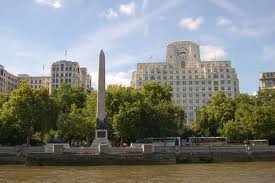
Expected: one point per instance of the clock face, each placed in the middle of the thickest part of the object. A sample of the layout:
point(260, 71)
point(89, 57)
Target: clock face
point(183, 52)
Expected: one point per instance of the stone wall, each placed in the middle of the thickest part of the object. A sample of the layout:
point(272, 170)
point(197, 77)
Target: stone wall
point(127, 155)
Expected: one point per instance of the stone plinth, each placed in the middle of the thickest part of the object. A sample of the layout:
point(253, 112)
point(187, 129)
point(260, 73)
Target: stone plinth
point(103, 148)
point(58, 149)
point(147, 148)
point(101, 137)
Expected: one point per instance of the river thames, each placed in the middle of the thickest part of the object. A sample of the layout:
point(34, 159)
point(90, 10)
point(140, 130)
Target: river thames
point(222, 172)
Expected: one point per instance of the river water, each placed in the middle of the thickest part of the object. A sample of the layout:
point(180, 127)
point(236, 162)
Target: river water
point(222, 172)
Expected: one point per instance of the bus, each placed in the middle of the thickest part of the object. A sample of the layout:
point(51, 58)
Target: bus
point(259, 142)
point(202, 141)
point(165, 141)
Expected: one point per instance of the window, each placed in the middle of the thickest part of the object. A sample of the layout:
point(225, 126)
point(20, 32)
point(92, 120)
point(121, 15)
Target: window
point(190, 82)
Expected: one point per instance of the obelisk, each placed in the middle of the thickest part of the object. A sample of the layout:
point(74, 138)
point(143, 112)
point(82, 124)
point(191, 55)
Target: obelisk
point(101, 112)
point(101, 136)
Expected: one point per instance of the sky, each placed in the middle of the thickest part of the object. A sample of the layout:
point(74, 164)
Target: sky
point(34, 33)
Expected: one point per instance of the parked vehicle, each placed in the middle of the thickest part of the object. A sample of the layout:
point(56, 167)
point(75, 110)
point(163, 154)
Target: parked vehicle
point(205, 141)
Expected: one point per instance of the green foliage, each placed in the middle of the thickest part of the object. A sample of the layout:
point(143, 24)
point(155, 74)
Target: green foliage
point(32, 115)
point(211, 118)
point(25, 112)
point(245, 117)
point(148, 112)
point(65, 96)
point(75, 126)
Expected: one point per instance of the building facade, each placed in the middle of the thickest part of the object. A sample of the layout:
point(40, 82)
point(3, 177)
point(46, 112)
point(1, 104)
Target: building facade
point(267, 80)
point(193, 81)
point(35, 81)
point(69, 72)
point(8, 81)
point(85, 79)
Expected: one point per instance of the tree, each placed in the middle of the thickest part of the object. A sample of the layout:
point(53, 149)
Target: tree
point(27, 111)
point(75, 126)
point(148, 112)
point(211, 118)
point(155, 93)
point(66, 95)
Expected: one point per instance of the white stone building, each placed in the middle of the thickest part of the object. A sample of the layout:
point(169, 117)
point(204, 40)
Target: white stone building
point(193, 81)
point(267, 80)
point(35, 81)
point(85, 79)
point(69, 72)
point(8, 81)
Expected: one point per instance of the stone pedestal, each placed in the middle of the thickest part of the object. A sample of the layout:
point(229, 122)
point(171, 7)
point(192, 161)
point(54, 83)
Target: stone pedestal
point(103, 148)
point(147, 148)
point(58, 149)
point(101, 137)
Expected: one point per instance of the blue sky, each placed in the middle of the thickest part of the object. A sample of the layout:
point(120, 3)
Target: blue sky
point(37, 32)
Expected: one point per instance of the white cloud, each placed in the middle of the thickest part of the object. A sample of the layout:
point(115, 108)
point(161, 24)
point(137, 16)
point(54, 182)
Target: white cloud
point(254, 94)
point(127, 9)
point(51, 3)
point(222, 21)
point(145, 5)
point(110, 14)
point(246, 31)
point(146, 30)
point(211, 52)
point(269, 52)
point(162, 18)
point(190, 23)
point(228, 6)
point(118, 78)
point(108, 37)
